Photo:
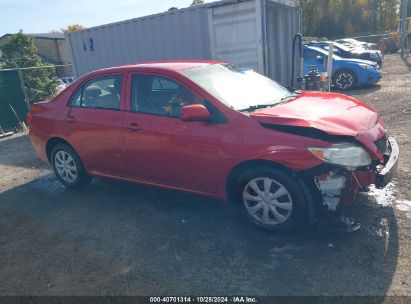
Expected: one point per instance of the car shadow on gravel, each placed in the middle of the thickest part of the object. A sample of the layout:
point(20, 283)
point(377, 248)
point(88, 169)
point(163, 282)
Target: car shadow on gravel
point(365, 89)
point(116, 238)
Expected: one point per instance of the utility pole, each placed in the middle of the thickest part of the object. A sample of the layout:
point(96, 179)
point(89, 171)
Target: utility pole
point(403, 29)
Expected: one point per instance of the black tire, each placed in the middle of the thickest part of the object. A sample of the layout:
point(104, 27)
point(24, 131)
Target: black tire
point(81, 178)
point(298, 214)
point(344, 80)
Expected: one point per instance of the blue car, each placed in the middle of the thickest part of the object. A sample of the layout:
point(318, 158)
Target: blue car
point(346, 52)
point(347, 72)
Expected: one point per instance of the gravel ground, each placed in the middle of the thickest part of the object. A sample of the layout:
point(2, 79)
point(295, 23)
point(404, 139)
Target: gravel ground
point(116, 238)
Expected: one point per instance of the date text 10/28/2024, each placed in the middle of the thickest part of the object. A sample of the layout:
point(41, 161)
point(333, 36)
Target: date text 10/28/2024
point(240, 299)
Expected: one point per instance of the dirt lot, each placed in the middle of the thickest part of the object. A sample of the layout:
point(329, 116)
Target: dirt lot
point(116, 238)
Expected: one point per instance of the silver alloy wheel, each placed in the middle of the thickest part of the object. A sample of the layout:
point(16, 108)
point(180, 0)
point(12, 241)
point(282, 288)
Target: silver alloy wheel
point(344, 81)
point(65, 166)
point(267, 201)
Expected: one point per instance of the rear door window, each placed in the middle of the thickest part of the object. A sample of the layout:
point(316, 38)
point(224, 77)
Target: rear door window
point(99, 93)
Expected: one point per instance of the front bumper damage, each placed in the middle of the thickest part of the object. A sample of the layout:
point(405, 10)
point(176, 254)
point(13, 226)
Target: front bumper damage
point(338, 187)
point(386, 173)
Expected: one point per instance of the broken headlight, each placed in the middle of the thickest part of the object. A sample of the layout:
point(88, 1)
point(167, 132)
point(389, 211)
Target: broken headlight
point(343, 154)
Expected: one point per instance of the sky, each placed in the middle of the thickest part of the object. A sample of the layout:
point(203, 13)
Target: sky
point(42, 16)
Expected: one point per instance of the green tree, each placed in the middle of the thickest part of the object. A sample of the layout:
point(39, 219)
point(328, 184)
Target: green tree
point(69, 28)
point(73, 28)
point(335, 18)
point(387, 14)
point(40, 82)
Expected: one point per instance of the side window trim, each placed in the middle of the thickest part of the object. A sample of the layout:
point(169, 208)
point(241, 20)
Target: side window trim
point(81, 96)
point(71, 100)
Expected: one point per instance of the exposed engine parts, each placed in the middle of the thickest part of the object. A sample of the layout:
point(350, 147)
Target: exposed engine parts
point(334, 187)
point(331, 186)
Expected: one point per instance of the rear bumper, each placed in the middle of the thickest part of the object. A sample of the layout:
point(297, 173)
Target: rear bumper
point(38, 145)
point(385, 174)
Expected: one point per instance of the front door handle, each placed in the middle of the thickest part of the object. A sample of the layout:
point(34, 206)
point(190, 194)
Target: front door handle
point(134, 126)
point(70, 119)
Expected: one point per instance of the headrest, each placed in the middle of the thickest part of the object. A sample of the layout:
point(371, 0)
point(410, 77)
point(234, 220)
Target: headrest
point(92, 92)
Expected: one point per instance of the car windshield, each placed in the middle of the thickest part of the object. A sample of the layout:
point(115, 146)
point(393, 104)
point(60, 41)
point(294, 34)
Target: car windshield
point(341, 46)
point(237, 87)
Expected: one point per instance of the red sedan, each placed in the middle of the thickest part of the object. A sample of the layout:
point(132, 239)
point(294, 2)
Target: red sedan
point(220, 130)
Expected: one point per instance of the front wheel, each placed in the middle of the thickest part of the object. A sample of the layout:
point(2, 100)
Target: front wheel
point(68, 167)
point(344, 80)
point(271, 198)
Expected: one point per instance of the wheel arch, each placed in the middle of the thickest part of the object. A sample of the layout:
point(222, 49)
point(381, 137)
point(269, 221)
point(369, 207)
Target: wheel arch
point(237, 170)
point(243, 166)
point(52, 142)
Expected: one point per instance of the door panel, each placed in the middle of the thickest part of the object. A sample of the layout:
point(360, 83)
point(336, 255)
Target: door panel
point(200, 148)
point(94, 125)
point(98, 139)
point(172, 152)
point(310, 59)
point(159, 146)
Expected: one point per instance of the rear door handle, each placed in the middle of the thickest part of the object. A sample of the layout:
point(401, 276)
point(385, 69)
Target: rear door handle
point(70, 119)
point(134, 126)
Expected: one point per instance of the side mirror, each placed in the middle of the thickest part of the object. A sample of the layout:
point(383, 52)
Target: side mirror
point(195, 112)
point(319, 58)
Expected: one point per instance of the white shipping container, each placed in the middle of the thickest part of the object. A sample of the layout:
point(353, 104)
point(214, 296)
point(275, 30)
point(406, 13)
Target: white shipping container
point(253, 33)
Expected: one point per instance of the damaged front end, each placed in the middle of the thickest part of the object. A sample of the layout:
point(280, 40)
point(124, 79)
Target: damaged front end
point(349, 138)
point(353, 171)
point(339, 187)
point(350, 165)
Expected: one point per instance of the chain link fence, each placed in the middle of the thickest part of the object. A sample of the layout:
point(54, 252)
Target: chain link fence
point(19, 87)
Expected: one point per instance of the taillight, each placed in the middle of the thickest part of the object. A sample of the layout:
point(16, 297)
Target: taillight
point(29, 118)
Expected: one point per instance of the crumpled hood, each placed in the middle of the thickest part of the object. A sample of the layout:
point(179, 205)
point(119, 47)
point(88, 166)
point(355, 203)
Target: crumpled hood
point(335, 114)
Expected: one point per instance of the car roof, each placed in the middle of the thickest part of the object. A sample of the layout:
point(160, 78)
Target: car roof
point(337, 44)
point(322, 51)
point(317, 49)
point(170, 65)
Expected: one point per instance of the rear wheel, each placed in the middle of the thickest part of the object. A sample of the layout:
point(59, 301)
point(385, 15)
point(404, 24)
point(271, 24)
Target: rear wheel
point(68, 167)
point(344, 80)
point(271, 198)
